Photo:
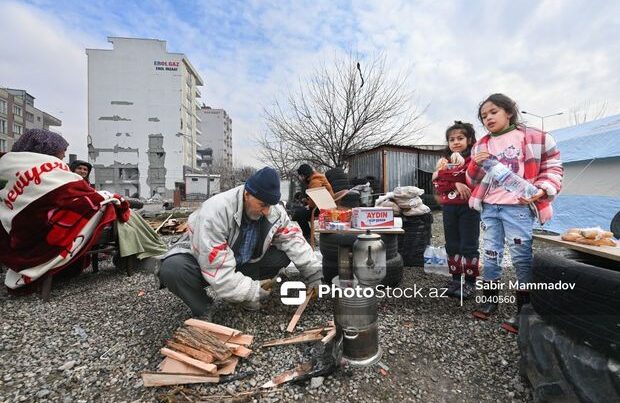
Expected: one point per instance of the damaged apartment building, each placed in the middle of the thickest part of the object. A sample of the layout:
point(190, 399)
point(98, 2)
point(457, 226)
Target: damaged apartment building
point(142, 117)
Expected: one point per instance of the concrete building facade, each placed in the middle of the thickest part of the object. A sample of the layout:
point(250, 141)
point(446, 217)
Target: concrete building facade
point(142, 117)
point(18, 114)
point(216, 134)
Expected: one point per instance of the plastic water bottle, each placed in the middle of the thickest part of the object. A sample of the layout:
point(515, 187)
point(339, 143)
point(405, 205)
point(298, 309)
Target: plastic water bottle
point(507, 179)
point(428, 258)
point(441, 261)
point(436, 260)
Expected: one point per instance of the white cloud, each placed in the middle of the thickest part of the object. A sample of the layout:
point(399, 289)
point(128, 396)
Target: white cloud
point(549, 56)
point(47, 60)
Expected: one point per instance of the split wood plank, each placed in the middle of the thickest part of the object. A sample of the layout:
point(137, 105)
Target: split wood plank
point(302, 338)
point(213, 327)
point(299, 312)
point(150, 379)
point(188, 360)
point(172, 366)
point(162, 224)
point(289, 375)
point(238, 350)
point(190, 351)
point(202, 340)
point(329, 336)
point(227, 367)
point(244, 339)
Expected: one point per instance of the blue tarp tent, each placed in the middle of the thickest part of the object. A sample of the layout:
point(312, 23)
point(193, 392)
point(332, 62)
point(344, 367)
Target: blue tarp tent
point(591, 189)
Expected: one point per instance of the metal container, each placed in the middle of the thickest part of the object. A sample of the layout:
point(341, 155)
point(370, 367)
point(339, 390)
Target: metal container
point(356, 324)
point(369, 262)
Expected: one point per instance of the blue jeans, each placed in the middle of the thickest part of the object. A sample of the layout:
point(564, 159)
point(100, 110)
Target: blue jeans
point(512, 224)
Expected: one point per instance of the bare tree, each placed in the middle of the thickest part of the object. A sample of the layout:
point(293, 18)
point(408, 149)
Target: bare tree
point(587, 111)
point(338, 112)
point(230, 177)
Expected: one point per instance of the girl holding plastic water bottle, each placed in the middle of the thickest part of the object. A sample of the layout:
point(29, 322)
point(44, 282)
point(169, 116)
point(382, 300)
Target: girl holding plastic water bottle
point(508, 215)
point(461, 224)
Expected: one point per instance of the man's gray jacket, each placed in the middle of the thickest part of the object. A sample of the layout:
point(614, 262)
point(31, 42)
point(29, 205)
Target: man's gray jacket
point(214, 229)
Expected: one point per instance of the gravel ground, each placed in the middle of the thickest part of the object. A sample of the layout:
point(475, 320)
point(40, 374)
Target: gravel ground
point(98, 332)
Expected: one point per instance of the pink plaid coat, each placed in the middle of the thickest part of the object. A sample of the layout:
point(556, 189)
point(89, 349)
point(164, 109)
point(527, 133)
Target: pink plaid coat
point(543, 168)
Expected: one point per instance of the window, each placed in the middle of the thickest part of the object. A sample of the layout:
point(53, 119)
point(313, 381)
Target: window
point(18, 129)
point(29, 116)
point(2, 106)
point(2, 126)
point(3, 146)
point(17, 110)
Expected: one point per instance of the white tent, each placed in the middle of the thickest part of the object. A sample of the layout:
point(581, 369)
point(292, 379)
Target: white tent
point(590, 193)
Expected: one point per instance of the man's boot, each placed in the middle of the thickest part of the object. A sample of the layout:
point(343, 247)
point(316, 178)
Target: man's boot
point(512, 324)
point(489, 303)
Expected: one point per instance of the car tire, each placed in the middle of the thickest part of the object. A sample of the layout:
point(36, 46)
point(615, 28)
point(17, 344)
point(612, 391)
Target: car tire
point(590, 312)
point(561, 369)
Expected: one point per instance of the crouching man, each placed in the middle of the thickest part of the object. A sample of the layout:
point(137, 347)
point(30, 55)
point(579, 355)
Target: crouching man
point(235, 240)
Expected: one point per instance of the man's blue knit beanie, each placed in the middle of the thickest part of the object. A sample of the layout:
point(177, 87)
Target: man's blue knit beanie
point(265, 185)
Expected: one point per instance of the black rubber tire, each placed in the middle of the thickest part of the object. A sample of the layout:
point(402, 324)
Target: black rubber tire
point(591, 311)
point(393, 275)
point(413, 242)
point(561, 369)
point(336, 174)
point(394, 271)
point(615, 225)
point(329, 243)
point(350, 200)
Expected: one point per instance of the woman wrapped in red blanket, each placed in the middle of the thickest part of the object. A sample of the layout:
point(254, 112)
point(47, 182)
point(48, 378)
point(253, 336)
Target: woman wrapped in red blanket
point(49, 215)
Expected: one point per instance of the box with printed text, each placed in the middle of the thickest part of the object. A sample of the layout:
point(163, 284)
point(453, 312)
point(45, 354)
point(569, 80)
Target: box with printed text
point(372, 217)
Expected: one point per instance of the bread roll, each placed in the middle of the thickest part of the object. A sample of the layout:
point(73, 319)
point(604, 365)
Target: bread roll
point(571, 236)
point(597, 242)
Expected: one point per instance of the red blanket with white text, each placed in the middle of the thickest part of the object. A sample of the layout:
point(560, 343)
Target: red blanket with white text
point(49, 216)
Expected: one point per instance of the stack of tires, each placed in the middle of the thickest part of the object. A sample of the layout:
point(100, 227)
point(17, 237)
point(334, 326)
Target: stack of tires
point(570, 338)
point(340, 181)
point(329, 249)
point(417, 236)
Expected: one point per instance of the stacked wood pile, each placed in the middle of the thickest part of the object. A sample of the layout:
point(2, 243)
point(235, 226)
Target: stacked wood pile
point(199, 352)
point(169, 226)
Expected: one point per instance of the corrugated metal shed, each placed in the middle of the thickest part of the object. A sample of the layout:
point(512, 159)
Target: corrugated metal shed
point(393, 165)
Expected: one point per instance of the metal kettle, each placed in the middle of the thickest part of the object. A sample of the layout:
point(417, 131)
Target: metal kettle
point(369, 260)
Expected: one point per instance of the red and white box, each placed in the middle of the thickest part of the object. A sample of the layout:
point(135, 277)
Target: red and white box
point(372, 217)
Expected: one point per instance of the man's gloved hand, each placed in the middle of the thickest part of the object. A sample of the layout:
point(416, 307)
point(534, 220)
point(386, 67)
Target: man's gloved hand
point(263, 293)
point(314, 285)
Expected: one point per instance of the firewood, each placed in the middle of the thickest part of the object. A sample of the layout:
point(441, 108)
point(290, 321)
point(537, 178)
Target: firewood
point(244, 339)
point(212, 327)
point(188, 360)
point(150, 379)
point(192, 352)
point(172, 366)
point(329, 336)
point(302, 338)
point(227, 367)
point(299, 312)
point(289, 375)
point(238, 350)
point(202, 340)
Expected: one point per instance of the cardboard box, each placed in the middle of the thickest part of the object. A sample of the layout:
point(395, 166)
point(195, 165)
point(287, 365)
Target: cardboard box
point(328, 211)
point(372, 217)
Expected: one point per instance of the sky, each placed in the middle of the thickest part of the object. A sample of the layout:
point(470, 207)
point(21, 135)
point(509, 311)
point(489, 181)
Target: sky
point(550, 56)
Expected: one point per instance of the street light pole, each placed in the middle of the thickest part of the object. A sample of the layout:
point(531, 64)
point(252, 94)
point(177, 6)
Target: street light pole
point(542, 118)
